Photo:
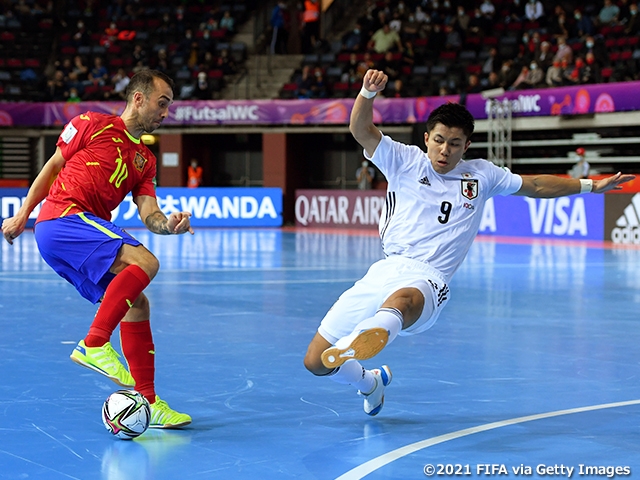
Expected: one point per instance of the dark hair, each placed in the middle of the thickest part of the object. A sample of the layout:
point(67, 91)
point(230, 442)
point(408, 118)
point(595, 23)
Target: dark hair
point(452, 115)
point(143, 81)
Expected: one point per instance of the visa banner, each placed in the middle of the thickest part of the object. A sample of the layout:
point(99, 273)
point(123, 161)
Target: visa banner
point(576, 217)
point(209, 207)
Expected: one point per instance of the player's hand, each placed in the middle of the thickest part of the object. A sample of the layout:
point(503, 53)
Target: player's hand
point(611, 183)
point(12, 228)
point(178, 222)
point(375, 80)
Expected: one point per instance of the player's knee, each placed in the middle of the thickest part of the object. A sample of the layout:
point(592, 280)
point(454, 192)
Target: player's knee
point(314, 365)
point(142, 305)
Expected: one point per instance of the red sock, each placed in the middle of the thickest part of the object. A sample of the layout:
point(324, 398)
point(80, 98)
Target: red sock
point(123, 290)
point(138, 349)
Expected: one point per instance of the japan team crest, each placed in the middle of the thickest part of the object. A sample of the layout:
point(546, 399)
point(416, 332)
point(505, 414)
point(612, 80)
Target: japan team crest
point(469, 188)
point(139, 161)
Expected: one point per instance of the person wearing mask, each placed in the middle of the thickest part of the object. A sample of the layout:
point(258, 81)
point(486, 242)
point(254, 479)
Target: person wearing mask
point(194, 174)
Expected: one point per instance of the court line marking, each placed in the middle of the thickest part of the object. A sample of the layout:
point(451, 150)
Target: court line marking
point(374, 464)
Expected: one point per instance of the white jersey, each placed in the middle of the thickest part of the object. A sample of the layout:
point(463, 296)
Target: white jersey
point(431, 217)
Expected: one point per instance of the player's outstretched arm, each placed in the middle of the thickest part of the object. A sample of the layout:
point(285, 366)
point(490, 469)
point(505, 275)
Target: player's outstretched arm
point(361, 122)
point(550, 186)
point(12, 227)
point(157, 222)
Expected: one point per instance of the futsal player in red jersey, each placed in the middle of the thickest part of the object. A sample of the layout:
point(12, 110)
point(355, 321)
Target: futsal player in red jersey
point(99, 159)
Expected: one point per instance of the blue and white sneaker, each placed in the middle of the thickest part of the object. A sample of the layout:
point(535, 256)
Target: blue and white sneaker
point(374, 400)
point(361, 345)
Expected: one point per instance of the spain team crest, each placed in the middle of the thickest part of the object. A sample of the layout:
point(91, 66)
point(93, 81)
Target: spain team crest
point(469, 188)
point(139, 162)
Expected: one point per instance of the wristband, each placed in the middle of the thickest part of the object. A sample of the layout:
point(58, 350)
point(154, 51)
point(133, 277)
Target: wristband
point(366, 93)
point(586, 186)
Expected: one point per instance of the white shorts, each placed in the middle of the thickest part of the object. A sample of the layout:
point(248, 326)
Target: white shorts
point(385, 277)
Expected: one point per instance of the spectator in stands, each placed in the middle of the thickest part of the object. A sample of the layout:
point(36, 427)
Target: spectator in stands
point(462, 20)
point(80, 70)
point(543, 56)
point(514, 11)
point(365, 175)
point(227, 21)
point(453, 39)
point(353, 40)
point(608, 14)
point(208, 62)
point(194, 174)
point(473, 84)
point(479, 24)
point(98, 75)
point(507, 74)
point(139, 54)
point(493, 81)
point(395, 23)
point(115, 10)
point(557, 25)
point(574, 74)
point(581, 168)
point(592, 71)
point(279, 29)
point(305, 83)
point(119, 80)
point(202, 89)
point(385, 39)
point(633, 24)
point(421, 15)
point(564, 51)
point(225, 63)
point(534, 11)
point(311, 25)
point(81, 37)
point(488, 10)
point(56, 88)
point(410, 28)
point(520, 81)
point(73, 95)
point(597, 47)
point(390, 65)
point(583, 25)
point(492, 63)
point(408, 59)
point(161, 62)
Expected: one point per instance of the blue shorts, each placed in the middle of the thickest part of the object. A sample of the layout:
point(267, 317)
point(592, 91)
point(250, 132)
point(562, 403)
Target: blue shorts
point(81, 249)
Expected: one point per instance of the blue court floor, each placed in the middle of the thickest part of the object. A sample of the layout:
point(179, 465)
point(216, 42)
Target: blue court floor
point(533, 370)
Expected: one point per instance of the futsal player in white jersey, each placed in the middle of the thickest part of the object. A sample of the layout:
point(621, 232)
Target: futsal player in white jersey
point(432, 213)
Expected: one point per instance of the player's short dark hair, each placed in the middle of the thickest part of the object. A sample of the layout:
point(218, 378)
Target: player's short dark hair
point(452, 115)
point(143, 81)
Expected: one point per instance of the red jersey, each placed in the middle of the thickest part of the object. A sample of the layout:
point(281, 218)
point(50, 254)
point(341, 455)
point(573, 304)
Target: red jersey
point(103, 164)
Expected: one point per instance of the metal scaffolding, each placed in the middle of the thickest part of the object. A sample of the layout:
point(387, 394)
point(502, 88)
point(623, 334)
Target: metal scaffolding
point(499, 134)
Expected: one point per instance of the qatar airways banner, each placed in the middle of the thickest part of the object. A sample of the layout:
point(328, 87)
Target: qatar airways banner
point(606, 97)
point(575, 217)
point(209, 207)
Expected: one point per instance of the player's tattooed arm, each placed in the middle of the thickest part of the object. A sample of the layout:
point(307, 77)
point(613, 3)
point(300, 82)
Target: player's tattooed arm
point(158, 223)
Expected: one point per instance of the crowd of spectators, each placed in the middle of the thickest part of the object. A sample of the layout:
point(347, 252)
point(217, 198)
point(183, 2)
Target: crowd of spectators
point(436, 47)
point(91, 48)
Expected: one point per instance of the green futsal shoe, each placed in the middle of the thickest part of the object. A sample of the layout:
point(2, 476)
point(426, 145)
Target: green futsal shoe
point(103, 360)
point(162, 416)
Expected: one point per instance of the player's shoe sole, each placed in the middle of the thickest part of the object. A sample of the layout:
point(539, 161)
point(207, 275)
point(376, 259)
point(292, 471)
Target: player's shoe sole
point(363, 346)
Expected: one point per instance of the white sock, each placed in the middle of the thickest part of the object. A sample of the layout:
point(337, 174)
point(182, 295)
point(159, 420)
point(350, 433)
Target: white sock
point(352, 373)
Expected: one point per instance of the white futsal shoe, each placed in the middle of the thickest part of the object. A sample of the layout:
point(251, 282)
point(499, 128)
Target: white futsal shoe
point(374, 400)
point(361, 345)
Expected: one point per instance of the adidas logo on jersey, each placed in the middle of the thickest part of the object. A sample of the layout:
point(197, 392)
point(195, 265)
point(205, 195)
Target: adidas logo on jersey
point(627, 228)
point(425, 181)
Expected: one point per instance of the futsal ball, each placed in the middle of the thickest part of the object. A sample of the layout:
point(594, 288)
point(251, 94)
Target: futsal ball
point(126, 414)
